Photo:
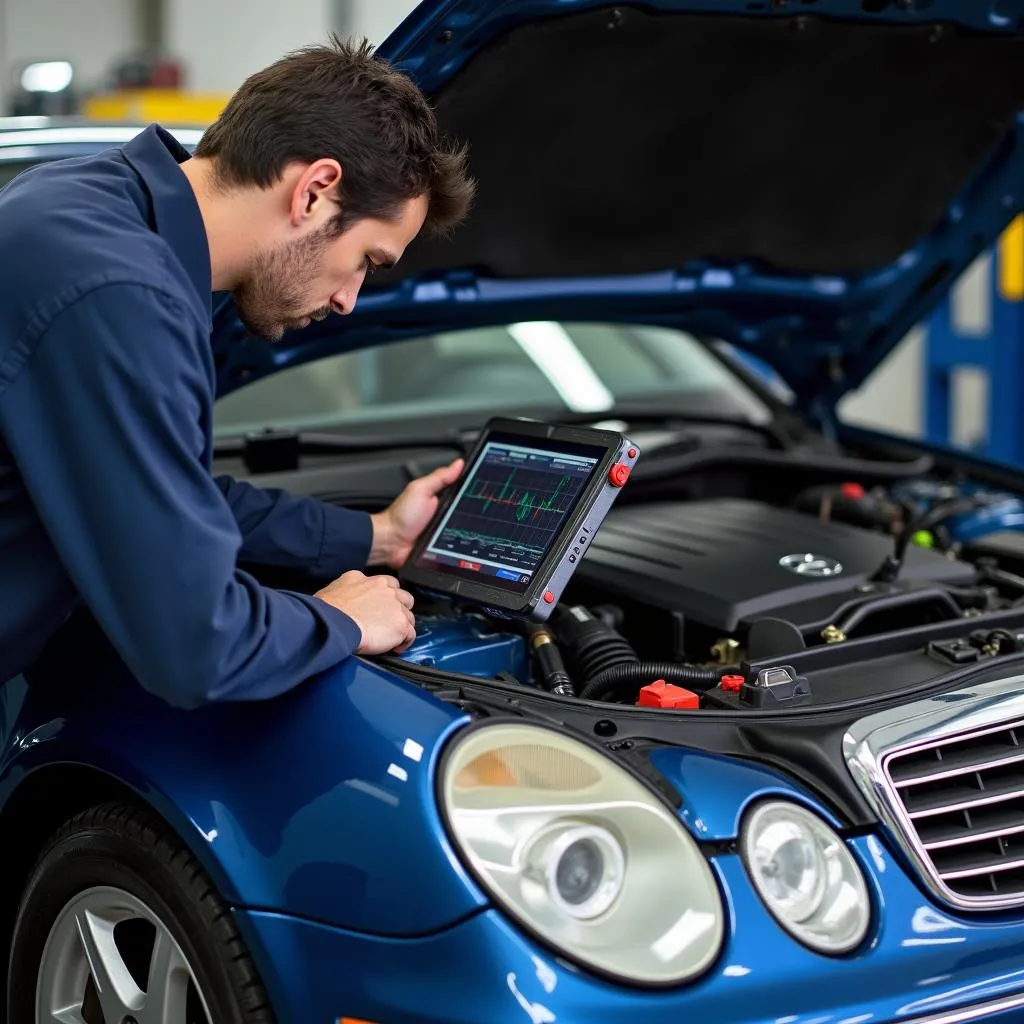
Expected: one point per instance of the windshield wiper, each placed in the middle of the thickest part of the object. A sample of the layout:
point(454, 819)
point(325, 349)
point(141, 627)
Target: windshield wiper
point(278, 451)
point(670, 418)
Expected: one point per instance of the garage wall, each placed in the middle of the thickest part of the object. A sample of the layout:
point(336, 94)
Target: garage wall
point(97, 34)
point(375, 18)
point(208, 37)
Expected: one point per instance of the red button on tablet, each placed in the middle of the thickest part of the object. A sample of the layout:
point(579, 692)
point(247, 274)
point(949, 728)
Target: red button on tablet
point(549, 597)
point(618, 474)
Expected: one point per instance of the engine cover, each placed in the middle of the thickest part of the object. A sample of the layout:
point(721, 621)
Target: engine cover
point(728, 562)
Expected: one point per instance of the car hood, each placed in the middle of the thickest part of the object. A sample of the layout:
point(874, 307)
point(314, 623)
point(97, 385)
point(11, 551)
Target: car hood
point(802, 178)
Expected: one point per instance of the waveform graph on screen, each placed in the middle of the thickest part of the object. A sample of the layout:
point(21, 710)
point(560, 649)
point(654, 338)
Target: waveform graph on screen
point(515, 506)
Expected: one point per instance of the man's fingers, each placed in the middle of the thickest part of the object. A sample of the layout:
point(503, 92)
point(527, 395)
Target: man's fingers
point(452, 471)
point(410, 636)
point(406, 598)
point(390, 581)
point(442, 477)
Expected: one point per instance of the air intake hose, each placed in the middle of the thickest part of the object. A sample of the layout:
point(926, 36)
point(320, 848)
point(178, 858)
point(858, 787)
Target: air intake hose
point(608, 663)
point(589, 644)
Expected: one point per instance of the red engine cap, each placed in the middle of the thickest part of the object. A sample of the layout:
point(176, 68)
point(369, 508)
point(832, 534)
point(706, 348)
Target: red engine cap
point(732, 684)
point(660, 694)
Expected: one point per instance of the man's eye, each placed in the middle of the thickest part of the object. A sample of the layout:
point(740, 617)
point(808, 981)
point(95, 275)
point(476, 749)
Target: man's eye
point(369, 266)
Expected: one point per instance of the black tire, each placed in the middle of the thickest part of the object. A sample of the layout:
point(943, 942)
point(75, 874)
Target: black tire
point(129, 848)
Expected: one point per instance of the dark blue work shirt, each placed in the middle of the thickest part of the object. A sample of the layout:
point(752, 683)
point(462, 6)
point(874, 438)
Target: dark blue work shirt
point(106, 408)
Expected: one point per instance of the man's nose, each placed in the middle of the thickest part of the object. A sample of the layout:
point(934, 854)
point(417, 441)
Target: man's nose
point(344, 299)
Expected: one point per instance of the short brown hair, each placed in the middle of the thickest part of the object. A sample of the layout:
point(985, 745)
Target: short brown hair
point(343, 102)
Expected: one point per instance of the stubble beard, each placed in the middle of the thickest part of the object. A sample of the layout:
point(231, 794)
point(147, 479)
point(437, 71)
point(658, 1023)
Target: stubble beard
point(270, 300)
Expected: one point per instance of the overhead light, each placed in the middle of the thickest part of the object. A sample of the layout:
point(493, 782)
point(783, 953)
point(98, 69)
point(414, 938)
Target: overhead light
point(47, 76)
point(552, 350)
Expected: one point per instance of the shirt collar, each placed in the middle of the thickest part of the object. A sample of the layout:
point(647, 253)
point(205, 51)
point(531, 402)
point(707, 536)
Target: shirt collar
point(155, 155)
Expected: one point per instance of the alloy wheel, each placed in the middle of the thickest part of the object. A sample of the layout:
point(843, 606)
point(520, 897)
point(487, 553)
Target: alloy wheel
point(109, 959)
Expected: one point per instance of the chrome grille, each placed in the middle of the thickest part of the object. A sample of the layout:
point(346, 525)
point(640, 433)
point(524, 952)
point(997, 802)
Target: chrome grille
point(945, 776)
point(964, 798)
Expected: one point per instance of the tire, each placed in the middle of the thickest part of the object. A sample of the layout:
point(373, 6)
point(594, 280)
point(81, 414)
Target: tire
point(118, 871)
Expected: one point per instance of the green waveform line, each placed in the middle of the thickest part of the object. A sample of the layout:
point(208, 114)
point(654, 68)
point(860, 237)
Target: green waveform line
point(525, 503)
point(526, 506)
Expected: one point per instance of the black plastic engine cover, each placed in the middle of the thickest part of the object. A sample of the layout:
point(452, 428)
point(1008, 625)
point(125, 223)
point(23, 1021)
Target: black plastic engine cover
point(719, 562)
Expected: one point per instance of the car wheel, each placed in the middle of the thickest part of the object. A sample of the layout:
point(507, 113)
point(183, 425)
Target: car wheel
point(119, 925)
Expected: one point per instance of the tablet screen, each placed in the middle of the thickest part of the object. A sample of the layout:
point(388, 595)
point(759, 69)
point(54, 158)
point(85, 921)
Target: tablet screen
point(512, 504)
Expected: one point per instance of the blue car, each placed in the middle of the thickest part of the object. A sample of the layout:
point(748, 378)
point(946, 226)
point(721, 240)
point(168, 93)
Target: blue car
point(781, 777)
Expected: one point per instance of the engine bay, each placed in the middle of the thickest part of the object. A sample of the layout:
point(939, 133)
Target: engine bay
point(730, 601)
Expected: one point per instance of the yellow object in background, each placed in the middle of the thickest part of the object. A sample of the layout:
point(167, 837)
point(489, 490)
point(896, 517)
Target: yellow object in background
point(1011, 261)
point(168, 106)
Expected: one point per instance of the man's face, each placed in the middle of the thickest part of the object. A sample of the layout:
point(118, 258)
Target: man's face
point(293, 283)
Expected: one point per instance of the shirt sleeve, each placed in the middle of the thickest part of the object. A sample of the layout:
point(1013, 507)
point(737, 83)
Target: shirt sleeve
point(279, 528)
point(105, 424)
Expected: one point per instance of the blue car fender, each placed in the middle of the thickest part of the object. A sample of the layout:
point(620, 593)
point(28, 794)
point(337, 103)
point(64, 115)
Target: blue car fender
point(320, 803)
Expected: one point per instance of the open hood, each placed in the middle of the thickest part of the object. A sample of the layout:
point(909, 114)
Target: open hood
point(803, 178)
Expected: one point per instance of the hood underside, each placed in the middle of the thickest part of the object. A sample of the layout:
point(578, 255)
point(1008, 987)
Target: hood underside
point(625, 141)
point(804, 179)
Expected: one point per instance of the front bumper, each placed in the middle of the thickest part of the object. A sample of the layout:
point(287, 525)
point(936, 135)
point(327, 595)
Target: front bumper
point(922, 966)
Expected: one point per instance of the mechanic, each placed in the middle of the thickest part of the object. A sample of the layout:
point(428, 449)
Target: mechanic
point(322, 167)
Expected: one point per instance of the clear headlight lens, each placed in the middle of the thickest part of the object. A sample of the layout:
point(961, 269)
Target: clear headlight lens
point(806, 876)
point(582, 853)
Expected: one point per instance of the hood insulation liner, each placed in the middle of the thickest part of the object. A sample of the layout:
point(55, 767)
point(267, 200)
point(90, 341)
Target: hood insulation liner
point(618, 141)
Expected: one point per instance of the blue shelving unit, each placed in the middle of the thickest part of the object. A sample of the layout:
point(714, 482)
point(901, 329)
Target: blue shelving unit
point(998, 354)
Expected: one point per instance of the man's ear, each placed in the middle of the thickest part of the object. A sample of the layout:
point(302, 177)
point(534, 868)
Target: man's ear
point(315, 193)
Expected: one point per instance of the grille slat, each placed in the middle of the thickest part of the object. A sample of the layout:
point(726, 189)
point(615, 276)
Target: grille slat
point(983, 869)
point(961, 799)
point(944, 771)
point(971, 837)
point(964, 799)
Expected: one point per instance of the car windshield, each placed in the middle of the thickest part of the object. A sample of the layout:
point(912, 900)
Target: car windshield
point(543, 366)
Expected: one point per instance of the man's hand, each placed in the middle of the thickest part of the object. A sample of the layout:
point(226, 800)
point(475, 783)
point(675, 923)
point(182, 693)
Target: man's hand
point(378, 606)
point(397, 528)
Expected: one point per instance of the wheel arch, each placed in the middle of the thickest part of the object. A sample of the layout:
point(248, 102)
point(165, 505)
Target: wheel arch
point(37, 806)
point(307, 805)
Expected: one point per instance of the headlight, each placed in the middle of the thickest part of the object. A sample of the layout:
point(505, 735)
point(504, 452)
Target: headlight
point(582, 853)
point(806, 876)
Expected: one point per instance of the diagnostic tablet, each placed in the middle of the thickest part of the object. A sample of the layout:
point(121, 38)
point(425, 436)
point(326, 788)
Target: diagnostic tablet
point(509, 533)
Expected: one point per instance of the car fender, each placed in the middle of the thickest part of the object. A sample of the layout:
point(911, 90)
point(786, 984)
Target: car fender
point(319, 803)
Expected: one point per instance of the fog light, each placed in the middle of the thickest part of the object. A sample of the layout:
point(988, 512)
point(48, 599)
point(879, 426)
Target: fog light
point(806, 876)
